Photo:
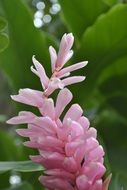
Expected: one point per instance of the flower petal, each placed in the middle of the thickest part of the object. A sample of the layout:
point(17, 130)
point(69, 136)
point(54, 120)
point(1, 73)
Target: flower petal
point(73, 68)
point(55, 183)
point(41, 73)
point(23, 117)
point(63, 99)
point(60, 173)
point(47, 108)
point(29, 96)
point(97, 185)
point(46, 123)
point(53, 57)
point(82, 182)
point(72, 80)
point(55, 83)
point(84, 122)
point(65, 46)
point(74, 113)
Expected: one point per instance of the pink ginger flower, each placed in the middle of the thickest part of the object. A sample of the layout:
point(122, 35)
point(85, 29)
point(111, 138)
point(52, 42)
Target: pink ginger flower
point(68, 148)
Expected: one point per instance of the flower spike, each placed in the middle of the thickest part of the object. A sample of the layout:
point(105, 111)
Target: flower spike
point(67, 146)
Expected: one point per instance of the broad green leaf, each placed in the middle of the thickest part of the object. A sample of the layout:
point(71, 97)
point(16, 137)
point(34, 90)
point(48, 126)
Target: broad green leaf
point(112, 2)
point(107, 36)
point(3, 37)
point(25, 41)
point(118, 67)
point(112, 85)
point(119, 182)
point(104, 43)
point(3, 42)
point(79, 15)
point(113, 127)
point(4, 177)
point(23, 186)
point(3, 24)
point(20, 166)
point(113, 130)
point(9, 149)
point(115, 91)
point(119, 103)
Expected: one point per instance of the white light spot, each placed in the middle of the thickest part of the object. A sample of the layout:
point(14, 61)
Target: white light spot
point(39, 14)
point(51, 11)
point(34, 2)
point(55, 8)
point(47, 18)
point(40, 5)
point(15, 179)
point(38, 23)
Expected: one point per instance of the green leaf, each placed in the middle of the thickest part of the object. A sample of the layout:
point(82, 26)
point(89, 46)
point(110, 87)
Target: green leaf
point(113, 130)
point(23, 186)
point(119, 182)
point(3, 37)
point(20, 166)
point(9, 149)
point(4, 41)
point(4, 178)
point(112, 85)
point(115, 91)
point(112, 2)
point(79, 15)
point(25, 41)
point(104, 43)
point(3, 24)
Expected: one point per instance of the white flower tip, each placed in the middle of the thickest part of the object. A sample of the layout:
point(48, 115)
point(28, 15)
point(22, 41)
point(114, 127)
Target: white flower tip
point(26, 143)
point(32, 68)
point(9, 121)
point(70, 35)
point(13, 97)
point(51, 48)
point(33, 57)
point(64, 35)
point(19, 131)
point(85, 63)
point(71, 52)
point(34, 60)
point(82, 78)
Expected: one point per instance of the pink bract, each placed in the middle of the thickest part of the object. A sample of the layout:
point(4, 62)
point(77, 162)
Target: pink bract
point(68, 148)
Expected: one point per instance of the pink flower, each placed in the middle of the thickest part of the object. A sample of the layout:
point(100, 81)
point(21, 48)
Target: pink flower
point(68, 148)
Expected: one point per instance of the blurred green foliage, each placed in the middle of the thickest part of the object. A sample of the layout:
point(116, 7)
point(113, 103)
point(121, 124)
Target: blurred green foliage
point(100, 29)
point(3, 37)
